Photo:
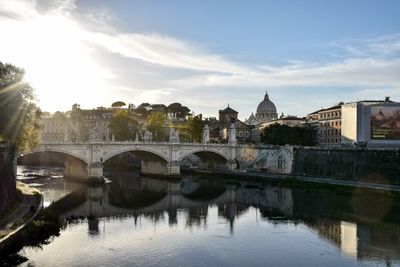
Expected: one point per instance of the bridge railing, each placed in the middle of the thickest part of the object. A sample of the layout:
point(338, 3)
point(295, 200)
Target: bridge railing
point(132, 143)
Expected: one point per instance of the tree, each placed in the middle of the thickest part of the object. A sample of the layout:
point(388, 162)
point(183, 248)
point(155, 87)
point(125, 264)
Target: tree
point(142, 109)
point(277, 134)
point(155, 124)
point(173, 108)
point(183, 112)
point(19, 114)
point(195, 126)
point(192, 130)
point(123, 125)
point(118, 104)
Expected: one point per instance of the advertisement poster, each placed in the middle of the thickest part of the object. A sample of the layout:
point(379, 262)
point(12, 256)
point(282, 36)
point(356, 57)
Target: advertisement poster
point(385, 123)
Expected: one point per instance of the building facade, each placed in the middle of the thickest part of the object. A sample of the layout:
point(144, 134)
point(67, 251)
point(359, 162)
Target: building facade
point(290, 121)
point(371, 123)
point(328, 123)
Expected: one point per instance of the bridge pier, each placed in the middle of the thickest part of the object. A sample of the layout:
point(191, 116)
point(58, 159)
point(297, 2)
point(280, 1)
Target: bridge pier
point(95, 170)
point(231, 165)
point(79, 170)
point(159, 168)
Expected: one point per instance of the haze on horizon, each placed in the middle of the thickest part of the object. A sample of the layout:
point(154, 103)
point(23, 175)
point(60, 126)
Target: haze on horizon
point(205, 54)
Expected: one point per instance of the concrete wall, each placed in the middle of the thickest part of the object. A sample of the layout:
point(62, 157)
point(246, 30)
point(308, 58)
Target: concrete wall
point(7, 177)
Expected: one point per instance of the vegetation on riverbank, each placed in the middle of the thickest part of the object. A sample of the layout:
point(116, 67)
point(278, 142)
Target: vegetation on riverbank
point(19, 114)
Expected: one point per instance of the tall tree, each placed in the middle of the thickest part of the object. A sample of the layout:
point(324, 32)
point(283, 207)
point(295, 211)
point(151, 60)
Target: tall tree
point(277, 134)
point(123, 125)
point(118, 104)
point(19, 114)
point(192, 130)
point(156, 125)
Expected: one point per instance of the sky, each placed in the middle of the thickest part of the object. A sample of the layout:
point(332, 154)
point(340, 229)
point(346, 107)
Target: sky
point(204, 54)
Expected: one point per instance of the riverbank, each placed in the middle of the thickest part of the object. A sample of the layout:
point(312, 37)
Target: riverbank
point(291, 180)
point(28, 206)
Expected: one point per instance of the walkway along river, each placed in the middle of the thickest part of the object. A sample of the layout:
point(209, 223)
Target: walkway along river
point(208, 221)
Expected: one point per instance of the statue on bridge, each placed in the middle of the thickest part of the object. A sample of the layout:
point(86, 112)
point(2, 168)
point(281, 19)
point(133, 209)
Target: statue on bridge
point(173, 135)
point(232, 132)
point(206, 134)
point(148, 136)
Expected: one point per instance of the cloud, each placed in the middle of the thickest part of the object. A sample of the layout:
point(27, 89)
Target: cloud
point(381, 47)
point(101, 62)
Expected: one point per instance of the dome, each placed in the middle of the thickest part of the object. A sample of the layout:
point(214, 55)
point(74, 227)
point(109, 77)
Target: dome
point(266, 110)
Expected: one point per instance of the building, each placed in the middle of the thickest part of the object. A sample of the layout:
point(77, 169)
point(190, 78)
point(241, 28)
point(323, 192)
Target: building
point(90, 124)
point(55, 129)
point(266, 111)
point(328, 123)
point(219, 129)
point(371, 123)
point(290, 121)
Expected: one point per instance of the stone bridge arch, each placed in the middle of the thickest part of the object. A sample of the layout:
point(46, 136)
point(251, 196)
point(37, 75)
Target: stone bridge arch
point(210, 158)
point(75, 165)
point(60, 151)
point(205, 151)
point(157, 154)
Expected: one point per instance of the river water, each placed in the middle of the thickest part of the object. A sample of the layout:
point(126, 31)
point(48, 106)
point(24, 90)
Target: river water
point(200, 221)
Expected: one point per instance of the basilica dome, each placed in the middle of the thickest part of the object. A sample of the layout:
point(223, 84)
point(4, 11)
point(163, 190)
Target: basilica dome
point(266, 110)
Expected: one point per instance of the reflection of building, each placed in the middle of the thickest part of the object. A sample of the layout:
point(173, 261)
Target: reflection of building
point(342, 234)
point(328, 123)
point(371, 123)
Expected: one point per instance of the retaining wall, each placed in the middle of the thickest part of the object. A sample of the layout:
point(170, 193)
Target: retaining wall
point(7, 177)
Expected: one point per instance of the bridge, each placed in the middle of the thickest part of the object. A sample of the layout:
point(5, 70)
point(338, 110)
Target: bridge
point(87, 159)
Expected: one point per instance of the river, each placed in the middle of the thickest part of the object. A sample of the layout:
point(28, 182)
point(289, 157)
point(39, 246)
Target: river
point(207, 221)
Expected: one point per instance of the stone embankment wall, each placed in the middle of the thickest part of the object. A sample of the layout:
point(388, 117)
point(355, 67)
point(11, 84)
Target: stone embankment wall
point(380, 165)
point(277, 159)
point(7, 177)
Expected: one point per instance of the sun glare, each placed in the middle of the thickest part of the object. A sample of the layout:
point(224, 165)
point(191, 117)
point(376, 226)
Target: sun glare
point(57, 61)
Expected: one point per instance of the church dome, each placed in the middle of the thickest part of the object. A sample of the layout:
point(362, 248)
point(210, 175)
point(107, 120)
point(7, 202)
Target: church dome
point(266, 110)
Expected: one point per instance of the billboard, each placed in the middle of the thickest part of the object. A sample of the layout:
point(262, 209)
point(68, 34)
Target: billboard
point(385, 123)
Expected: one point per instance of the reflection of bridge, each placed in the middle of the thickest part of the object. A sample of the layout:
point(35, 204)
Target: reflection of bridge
point(86, 159)
point(98, 199)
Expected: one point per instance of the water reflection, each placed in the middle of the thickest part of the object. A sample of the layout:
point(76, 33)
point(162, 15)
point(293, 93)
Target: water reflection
point(341, 220)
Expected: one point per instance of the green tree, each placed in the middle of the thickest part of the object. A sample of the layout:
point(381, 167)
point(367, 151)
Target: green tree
point(123, 125)
point(183, 112)
point(192, 130)
point(143, 109)
point(118, 104)
point(19, 114)
point(156, 125)
point(277, 134)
